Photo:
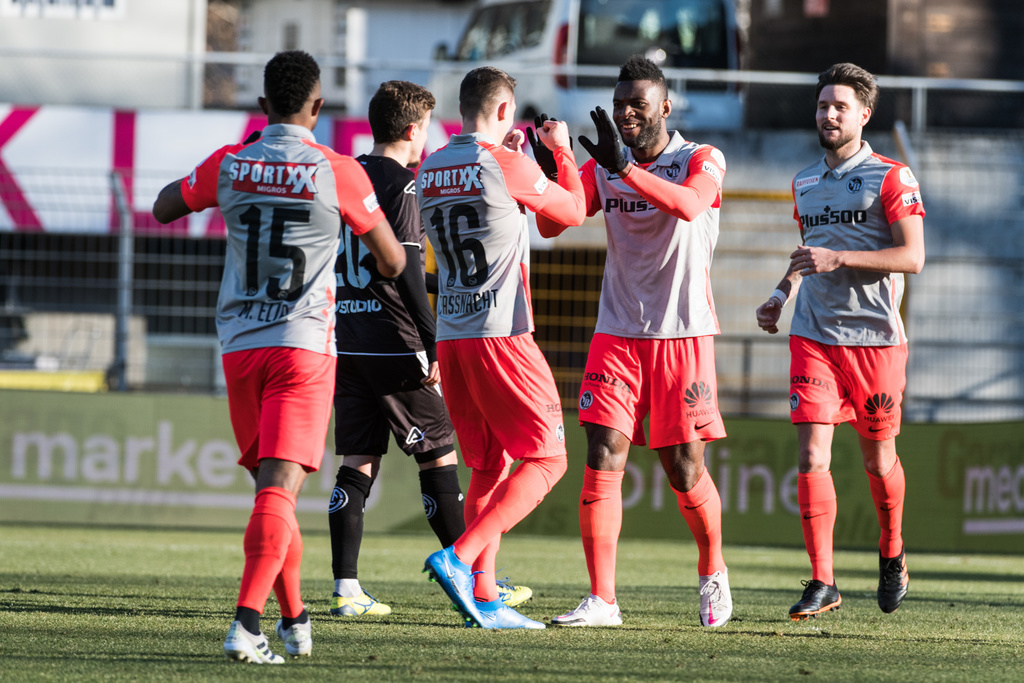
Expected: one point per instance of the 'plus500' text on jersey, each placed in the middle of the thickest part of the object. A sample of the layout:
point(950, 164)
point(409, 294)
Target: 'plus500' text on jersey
point(852, 207)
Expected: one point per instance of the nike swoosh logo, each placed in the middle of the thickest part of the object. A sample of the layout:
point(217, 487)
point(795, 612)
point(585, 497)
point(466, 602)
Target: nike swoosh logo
point(804, 192)
point(711, 616)
point(699, 427)
point(813, 516)
point(588, 502)
point(449, 572)
point(876, 429)
point(692, 507)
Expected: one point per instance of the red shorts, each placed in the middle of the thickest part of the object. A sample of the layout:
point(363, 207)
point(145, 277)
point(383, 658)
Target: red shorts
point(502, 399)
point(859, 384)
point(672, 379)
point(280, 401)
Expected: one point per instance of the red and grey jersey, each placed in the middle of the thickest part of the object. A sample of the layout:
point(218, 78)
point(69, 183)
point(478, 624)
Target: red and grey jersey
point(851, 208)
point(372, 317)
point(472, 195)
point(657, 277)
point(283, 198)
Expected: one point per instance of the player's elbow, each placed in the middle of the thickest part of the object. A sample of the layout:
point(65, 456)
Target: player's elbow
point(549, 229)
point(392, 265)
point(915, 262)
point(170, 205)
point(162, 212)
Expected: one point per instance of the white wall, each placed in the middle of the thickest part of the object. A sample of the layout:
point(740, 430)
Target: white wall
point(403, 32)
point(132, 57)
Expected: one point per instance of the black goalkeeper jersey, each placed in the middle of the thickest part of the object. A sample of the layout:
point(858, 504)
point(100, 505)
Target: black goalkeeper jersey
point(372, 317)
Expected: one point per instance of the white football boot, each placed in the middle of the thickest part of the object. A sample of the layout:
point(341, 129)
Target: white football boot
point(715, 599)
point(242, 646)
point(298, 639)
point(593, 611)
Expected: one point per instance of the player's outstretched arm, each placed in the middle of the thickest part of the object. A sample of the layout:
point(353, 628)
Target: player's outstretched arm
point(170, 204)
point(390, 255)
point(695, 195)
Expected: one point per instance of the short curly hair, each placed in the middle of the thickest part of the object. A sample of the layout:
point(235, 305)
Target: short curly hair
point(395, 106)
point(639, 68)
point(288, 80)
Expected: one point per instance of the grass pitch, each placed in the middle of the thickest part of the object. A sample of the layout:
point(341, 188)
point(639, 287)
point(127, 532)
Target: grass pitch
point(82, 603)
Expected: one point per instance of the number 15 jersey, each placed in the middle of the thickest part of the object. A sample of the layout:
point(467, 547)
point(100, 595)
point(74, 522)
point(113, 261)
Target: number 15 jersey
point(471, 195)
point(283, 198)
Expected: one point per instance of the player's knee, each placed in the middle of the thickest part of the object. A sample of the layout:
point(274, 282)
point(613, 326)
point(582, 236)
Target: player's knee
point(553, 469)
point(436, 457)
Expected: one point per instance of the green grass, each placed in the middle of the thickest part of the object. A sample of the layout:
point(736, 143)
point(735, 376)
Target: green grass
point(81, 603)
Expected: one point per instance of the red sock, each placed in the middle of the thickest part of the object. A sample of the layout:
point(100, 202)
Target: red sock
point(817, 497)
point(267, 540)
point(701, 507)
point(511, 501)
point(600, 524)
point(287, 586)
point(482, 485)
point(888, 492)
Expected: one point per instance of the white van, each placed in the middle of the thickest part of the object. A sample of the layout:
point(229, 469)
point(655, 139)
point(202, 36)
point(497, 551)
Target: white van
point(565, 55)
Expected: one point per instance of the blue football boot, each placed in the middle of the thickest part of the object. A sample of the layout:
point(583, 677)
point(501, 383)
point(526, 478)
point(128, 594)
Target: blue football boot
point(455, 578)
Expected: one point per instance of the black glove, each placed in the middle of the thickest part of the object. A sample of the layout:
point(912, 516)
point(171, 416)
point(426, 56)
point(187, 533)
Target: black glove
point(608, 150)
point(544, 156)
point(253, 137)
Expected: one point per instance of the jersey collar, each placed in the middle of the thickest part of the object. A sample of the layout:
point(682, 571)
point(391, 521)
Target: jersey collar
point(853, 162)
point(675, 143)
point(475, 136)
point(290, 129)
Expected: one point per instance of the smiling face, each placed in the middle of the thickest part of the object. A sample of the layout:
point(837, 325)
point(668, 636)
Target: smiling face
point(841, 118)
point(639, 110)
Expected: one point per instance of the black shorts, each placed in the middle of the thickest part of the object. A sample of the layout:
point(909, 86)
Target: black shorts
point(375, 395)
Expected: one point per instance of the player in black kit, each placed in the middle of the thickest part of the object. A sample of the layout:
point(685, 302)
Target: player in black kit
point(388, 379)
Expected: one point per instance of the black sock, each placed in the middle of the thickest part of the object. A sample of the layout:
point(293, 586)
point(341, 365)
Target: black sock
point(442, 501)
point(249, 618)
point(301, 619)
point(345, 516)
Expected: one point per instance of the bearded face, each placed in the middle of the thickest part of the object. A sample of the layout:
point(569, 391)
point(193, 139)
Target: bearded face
point(639, 112)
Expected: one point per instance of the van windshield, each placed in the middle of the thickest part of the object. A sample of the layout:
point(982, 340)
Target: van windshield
point(673, 33)
point(497, 30)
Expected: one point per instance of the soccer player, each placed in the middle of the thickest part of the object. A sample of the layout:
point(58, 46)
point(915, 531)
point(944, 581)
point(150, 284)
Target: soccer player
point(653, 347)
point(499, 388)
point(283, 198)
point(862, 227)
point(388, 380)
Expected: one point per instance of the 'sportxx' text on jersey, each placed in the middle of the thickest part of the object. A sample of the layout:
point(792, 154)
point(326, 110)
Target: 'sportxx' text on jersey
point(283, 198)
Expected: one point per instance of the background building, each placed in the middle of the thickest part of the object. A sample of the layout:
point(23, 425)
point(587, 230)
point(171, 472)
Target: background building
point(120, 53)
point(358, 45)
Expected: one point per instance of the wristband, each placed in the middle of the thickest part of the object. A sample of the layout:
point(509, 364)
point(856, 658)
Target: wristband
point(781, 296)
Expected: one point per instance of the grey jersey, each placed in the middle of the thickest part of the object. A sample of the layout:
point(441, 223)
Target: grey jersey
point(852, 207)
point(469, 194)
point(283, 198)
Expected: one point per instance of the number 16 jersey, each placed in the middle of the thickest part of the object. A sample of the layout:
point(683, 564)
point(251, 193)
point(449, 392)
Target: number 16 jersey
point(471, 195)
point(283, 198)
